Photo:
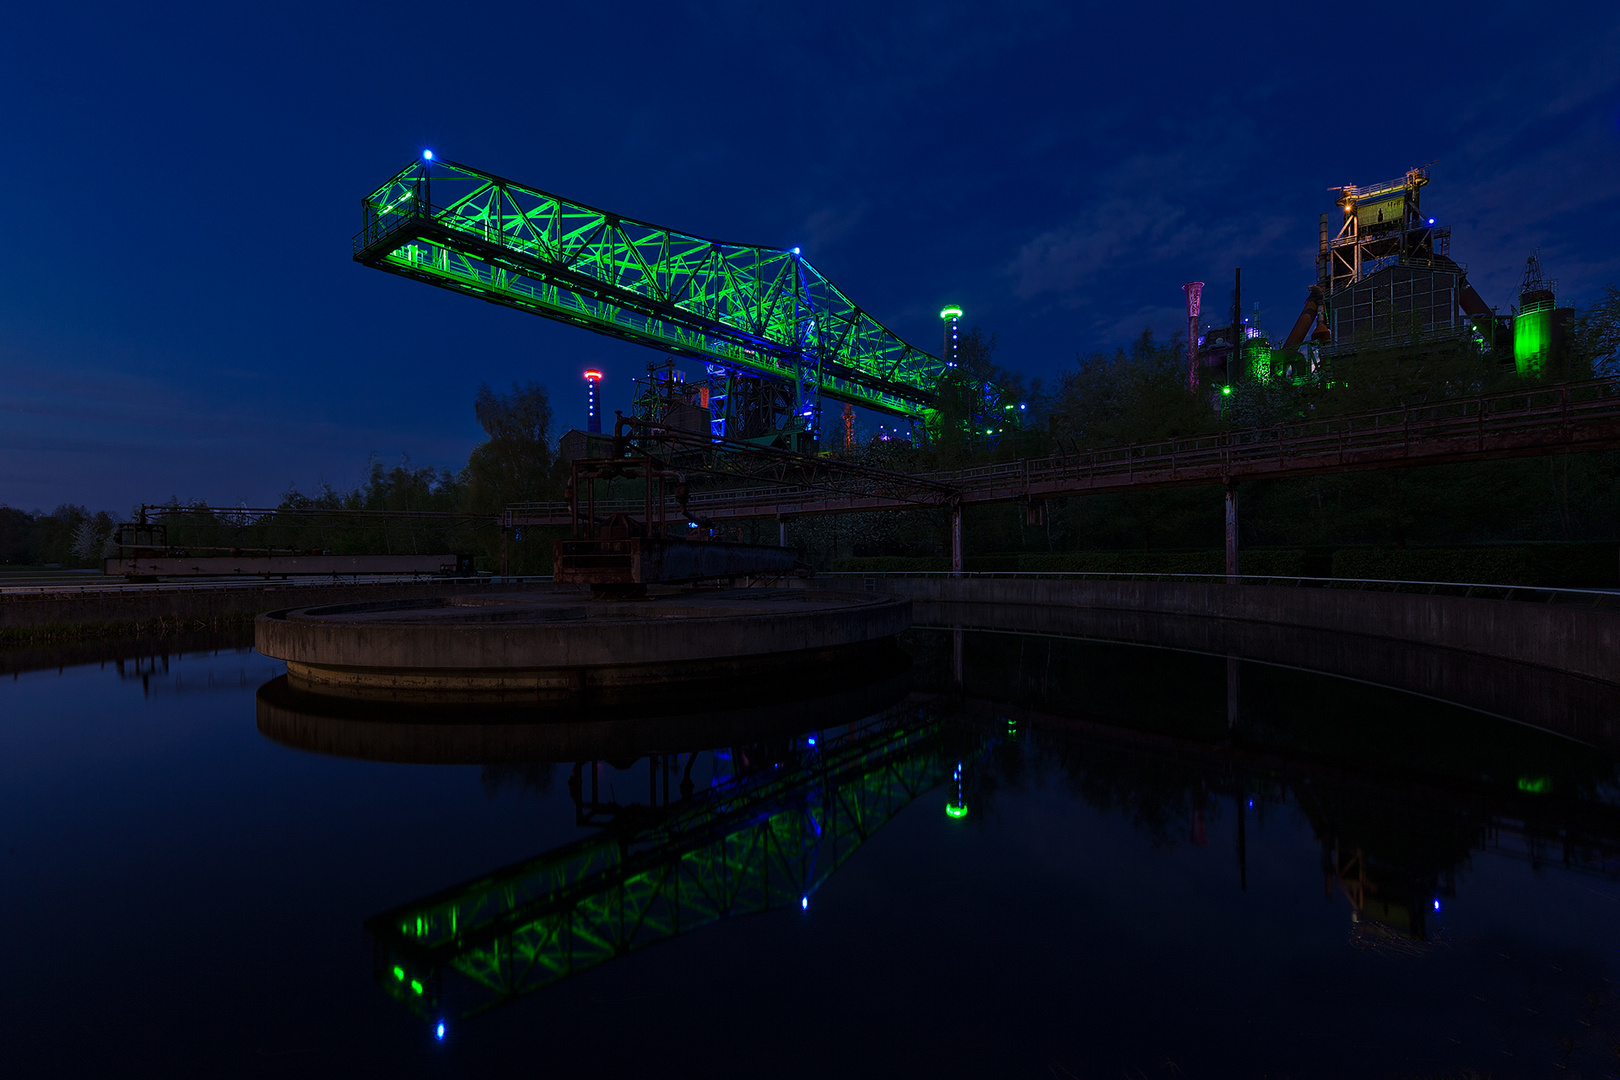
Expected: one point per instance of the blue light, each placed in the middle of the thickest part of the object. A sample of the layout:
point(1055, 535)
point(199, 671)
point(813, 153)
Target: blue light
point(427, 155)
point(795, 251)
point(1437, 903)
point(804, 903)
point(812, 740)
point(438, 1032)
point(1431, 221)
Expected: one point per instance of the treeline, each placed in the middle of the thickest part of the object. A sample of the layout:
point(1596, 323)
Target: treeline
point(1139, 394)
point(516, 462)
point(69, 536)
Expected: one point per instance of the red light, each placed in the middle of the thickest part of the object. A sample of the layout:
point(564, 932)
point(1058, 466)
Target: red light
point(593, 375)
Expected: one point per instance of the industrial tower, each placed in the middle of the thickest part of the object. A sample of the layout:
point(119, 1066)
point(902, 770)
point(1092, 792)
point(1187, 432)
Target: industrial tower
point(593, 409)
point(1387, 276)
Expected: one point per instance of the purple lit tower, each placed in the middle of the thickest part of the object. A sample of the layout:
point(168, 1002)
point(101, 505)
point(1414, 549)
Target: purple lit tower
point(1193, 289)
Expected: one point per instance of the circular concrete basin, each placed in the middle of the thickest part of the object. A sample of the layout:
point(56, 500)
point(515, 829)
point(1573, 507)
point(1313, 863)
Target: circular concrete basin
point(557, 646)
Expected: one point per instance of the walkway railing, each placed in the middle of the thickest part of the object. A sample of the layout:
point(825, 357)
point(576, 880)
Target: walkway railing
point(1571, 416)
point(1602, 599)
point(114, 586)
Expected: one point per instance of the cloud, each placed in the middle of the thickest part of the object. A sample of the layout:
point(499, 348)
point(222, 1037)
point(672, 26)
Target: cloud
point(828, 225)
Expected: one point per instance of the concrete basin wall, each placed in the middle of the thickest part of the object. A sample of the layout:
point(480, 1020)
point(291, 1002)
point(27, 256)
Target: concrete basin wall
point(1553, 667)
point(1560, 637)
point(306, 637)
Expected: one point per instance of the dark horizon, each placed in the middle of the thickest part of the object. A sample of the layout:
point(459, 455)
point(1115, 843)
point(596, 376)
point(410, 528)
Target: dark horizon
point(183, 318)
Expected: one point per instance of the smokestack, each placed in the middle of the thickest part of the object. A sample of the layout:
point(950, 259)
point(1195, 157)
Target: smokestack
point(1193, 289)
point(593, 410)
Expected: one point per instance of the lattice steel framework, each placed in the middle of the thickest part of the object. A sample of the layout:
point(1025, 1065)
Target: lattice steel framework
point(755, 309)
point(750, 844)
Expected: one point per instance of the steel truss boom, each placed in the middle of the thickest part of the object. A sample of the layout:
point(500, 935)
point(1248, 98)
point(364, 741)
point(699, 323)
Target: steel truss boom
point(761, 310)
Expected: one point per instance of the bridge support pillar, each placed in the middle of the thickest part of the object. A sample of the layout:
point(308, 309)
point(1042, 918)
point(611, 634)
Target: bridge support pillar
point(781, 532)
point(1231, 533)
point(956, 540)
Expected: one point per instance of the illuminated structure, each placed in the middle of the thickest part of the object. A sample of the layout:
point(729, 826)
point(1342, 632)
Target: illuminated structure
point(764, 838)
point(665, 397)
point(1388, 277)
point(1540, 326)
point(952, 318)
point(751, 312)
point(1194, 290)
point(593, 405)
point(1382, 223)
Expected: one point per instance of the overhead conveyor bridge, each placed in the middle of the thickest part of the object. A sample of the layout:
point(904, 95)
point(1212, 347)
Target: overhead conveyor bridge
point(763, 311)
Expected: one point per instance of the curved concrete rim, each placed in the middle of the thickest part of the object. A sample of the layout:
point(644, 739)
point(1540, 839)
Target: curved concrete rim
point(560, 650)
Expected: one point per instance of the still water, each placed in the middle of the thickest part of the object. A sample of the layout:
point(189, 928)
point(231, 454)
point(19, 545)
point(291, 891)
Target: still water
point(993, 855)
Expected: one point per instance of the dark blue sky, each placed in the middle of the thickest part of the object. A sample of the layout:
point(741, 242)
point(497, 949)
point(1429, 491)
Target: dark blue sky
point(179, 314)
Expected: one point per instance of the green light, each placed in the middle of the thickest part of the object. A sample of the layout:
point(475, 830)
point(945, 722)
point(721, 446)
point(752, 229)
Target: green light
point(399, 973)
point(951, 313)
point(1535, 785)
point(416, 987)
point(1532, 340)
point(640, 282)
point(955, 811)
point(1226, 389)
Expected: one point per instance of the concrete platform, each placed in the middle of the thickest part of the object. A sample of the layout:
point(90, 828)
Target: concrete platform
point(562, 646)
point(485, 734)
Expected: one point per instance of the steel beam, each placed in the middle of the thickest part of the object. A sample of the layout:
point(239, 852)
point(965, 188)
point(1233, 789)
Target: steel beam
point(762, 310)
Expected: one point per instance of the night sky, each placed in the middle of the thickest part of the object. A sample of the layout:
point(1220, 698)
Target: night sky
point(179, 314)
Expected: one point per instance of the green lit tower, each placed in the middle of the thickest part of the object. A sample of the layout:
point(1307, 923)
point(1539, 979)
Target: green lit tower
point(1535, 322)
point(951, 316)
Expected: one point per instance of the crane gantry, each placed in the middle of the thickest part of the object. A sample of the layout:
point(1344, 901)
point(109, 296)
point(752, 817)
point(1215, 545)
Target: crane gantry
point(745, 308)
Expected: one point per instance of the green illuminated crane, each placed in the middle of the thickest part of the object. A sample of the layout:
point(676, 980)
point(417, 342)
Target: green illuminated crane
point(762, 311)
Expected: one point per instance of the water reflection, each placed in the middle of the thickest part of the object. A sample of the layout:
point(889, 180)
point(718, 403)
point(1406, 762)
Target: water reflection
point(747, 829)
point(751, 807)
point(743, 712)
point(1400, 792)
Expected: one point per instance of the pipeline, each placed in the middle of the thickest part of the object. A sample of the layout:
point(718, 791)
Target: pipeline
point(1307, 315)
point(1473, 304)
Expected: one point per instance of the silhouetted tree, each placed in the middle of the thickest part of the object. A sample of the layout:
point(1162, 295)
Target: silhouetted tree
point(518, 462)
point(1135, 395)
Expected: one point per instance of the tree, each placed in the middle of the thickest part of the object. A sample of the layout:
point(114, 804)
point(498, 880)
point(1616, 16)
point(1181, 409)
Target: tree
point(517, 463)
point(960, 402)
point(1133, 396)
point(1597, 335)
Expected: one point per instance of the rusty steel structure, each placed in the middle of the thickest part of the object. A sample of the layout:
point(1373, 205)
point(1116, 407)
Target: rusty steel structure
point(1520, 423)
point(664, 537)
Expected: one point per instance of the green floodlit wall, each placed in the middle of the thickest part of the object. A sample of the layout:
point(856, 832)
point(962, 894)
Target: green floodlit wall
point(1532, 339)
point(1259, 362)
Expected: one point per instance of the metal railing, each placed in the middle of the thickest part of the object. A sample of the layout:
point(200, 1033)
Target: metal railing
point(46, 589)
point(1505, 422)
point(1605, 599)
